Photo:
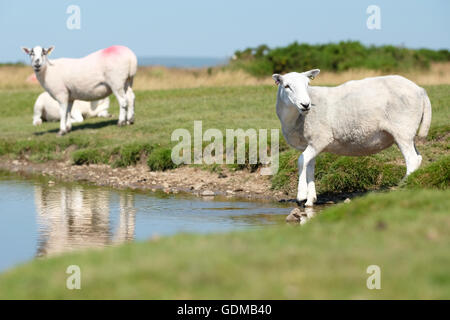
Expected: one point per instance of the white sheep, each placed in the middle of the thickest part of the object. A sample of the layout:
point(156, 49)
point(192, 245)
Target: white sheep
point(93, 77)
point(47, 109)
point(357, 118)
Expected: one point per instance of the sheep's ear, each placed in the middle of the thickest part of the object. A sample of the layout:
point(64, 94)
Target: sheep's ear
point(49, 50)
point(312, 73)
point(26, 50)
point(278, 78)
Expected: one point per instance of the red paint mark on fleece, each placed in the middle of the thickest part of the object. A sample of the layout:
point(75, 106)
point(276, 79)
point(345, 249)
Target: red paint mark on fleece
point(112, 50)
point(32, 78)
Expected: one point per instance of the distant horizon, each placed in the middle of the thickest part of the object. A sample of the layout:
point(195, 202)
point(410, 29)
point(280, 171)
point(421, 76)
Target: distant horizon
point(171, 60)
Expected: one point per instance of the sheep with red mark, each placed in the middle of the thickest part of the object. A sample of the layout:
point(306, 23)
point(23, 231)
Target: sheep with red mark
point(93, 77)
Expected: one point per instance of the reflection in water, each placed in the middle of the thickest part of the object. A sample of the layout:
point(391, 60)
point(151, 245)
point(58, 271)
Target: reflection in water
point(309, 213)
point(38, 219)
point(71, 218)
point(127, 222)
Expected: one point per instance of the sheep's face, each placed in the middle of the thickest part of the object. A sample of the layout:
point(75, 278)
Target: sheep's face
point(294, 88)
point(38, 56)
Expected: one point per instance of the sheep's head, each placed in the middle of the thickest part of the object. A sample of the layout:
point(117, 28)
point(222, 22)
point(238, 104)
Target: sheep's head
point(38, 56)
point(294, 88)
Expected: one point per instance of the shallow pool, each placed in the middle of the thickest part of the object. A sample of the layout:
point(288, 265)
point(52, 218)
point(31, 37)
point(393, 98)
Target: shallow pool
point(38, 219)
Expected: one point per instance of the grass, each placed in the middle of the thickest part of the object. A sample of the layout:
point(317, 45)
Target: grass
point(339, 174)
point(436, 175)
point(160, 112)
point(403, 232)
point(161, 160)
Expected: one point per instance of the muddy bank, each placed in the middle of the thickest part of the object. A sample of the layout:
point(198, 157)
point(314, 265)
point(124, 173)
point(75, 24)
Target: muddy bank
point(194, 180)
point(242, 184)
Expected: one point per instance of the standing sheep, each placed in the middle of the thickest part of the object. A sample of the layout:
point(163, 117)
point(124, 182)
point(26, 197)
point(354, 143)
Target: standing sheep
point(93, 77)
point(47, 109)
point(357, 118)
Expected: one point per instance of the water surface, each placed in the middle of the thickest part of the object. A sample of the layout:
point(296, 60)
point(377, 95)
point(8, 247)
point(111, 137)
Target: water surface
point(37, 219)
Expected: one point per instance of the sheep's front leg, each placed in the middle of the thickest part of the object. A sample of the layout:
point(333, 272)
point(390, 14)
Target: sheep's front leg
point(63, 118)
point(303, 161)
point(312, 196)
point(68, 116)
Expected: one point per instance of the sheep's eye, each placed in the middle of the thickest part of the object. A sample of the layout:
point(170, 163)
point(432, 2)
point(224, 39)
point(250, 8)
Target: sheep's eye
point(287, 86)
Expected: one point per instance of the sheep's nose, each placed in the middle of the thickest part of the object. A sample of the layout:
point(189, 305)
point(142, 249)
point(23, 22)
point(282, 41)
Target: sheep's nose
point(306, 105)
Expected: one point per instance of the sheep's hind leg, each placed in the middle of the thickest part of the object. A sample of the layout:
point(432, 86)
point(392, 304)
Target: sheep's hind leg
point(130, 111)
point(38, 114)
point(76, 116)
point(123, 103)
point(412, 158)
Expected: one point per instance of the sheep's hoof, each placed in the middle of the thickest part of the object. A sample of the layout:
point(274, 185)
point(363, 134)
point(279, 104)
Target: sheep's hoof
point(300, 203)
point(309, 204)
point(130, 122)
point(61, 133)
point(121, 123)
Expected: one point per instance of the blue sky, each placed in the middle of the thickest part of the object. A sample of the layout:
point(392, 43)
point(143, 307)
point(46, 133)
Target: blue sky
point(213, 28)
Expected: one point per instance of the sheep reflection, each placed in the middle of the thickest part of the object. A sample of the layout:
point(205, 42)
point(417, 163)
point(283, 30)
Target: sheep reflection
point(73, 217)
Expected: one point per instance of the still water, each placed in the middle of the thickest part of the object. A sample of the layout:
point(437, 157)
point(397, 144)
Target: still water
point(37, 219)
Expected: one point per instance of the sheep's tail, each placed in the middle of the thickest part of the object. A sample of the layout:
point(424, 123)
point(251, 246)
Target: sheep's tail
point(133, 67)
point(426, 116)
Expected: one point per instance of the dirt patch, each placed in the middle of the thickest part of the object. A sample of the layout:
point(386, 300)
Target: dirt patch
point(240, 184)
point(193, 180)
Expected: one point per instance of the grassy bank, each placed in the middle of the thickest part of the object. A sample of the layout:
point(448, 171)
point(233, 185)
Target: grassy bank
point(405, 233)
point(160, 112)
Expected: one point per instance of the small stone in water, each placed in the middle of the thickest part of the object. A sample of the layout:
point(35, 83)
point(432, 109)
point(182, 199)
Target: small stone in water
point(208, 193)
point(294, 216)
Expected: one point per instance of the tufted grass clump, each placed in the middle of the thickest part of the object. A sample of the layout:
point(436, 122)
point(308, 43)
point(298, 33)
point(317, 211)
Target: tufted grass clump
point(339, 174)
point(434, 176)
point(160, 160)
point(353, 174)
point(130, 154)
point(89, 156)
point(285, 178)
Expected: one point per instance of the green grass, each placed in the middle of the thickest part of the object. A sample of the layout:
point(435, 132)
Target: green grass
point(159, 113)
point(436, 175)
point(340, 174)
point(160, 160)
point(403, 232)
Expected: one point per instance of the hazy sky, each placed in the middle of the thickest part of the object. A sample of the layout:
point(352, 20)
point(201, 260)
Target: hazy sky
point(213, 28)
